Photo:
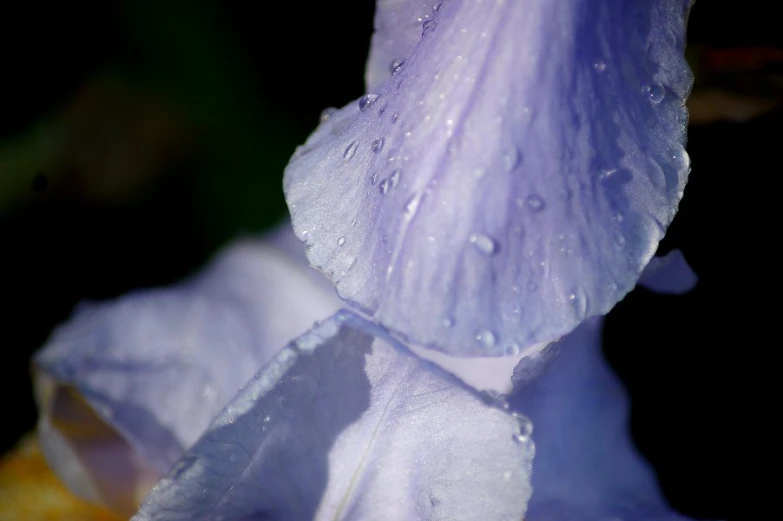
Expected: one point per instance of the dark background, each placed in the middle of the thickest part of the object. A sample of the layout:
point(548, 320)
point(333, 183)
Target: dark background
point(136, 138)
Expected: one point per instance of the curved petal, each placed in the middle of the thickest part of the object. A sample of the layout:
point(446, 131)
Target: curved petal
point(511, 180)
point(669, 274)
point(346, 424)
point(155, 367)
point(586, 466)
point(398, 27)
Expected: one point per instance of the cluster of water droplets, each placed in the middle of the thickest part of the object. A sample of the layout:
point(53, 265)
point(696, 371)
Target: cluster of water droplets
point(390, 182)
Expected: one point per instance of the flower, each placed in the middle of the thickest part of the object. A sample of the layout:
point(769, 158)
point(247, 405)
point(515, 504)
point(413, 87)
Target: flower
point(504, 182)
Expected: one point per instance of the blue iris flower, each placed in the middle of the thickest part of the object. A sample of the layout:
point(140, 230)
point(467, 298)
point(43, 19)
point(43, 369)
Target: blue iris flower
point(503, 183)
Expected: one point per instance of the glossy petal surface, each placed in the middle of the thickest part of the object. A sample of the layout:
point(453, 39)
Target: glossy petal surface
point(345, 424)
point(511, 180)
point(156, 366)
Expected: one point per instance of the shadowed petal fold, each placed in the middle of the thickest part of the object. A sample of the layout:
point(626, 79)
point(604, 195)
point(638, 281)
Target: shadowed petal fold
point(586, 466)
point(142, 377)
point(511, 179)
point(346, 424)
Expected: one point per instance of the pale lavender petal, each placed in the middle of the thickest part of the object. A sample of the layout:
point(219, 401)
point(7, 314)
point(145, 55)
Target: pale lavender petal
point(346, 424)
point(669, 274)
point(398, 27)
point(158, 365)
point(512, 179)
point(586, 466)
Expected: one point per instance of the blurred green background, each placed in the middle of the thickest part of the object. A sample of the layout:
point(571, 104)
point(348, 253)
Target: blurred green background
point(136, 137)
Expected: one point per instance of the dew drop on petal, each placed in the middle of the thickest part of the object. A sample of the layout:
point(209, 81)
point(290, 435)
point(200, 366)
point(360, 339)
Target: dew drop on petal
point(383, 188)
point(486, 338)
point(511, 159)
point(512, 349)
point(350, 150)
point(394, 178)
point(654, 92)
point(327, 113)
point(412, 206)
point(366, 101)
point(525, 427)
point(341, 241)
point(535, 202)
point(377, 145)
point(396, 66)
point(483, 243)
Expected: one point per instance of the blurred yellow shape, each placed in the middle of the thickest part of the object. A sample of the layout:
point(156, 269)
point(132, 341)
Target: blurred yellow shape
point(30, 491)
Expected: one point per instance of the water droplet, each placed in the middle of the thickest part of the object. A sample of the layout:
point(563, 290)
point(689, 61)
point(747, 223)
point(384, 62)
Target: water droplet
point(436, 7)
point(579, 301)
point(327, 114)
point(411, 206)
point(384, 186)
point(366, 101)
point(483, 243)
point(377, 145)
point(394, 178)
point(486, 338)
point(655, 92)
point(511, 159)
point(374, 178)
point(616, 177)
point(396, 66)
point(341, 241)
point(525, 426)
point(428, 25)
point(535, 202)
point(447, 322)
point(512, 349)
point(267, 418)
point(350, 150)
point(599, 66)
point(394, 117)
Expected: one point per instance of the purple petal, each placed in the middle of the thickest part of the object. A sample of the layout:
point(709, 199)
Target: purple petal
point(586, 466)
point(398, 27)
point(513, 179)
point(346, 424)
point(669, 274)
point(158, 365)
